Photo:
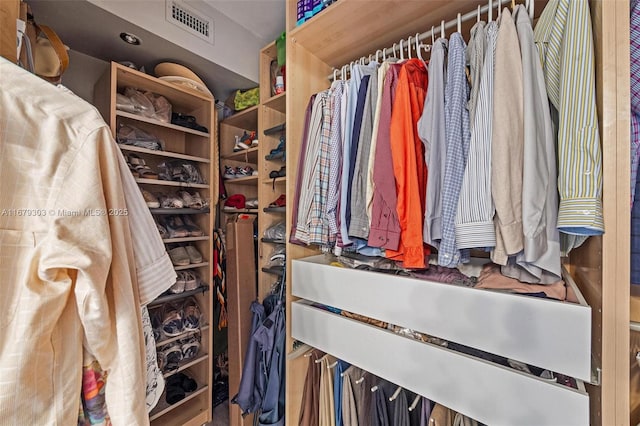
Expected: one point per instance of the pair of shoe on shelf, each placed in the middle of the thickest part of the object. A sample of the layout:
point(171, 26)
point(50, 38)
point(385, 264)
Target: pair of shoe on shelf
point(279, 152)
point(178, 200)
point(173, 319)
point(170, 355)
point(239, 172)
point(239, 201)
point(178, 226)
point(282, 172)
point(246, 141)
point(187, 121)
point(177, 386)
point(281, 201)
point(139, 167)
point(185, 255)
point(180, 171)
point(185, 281)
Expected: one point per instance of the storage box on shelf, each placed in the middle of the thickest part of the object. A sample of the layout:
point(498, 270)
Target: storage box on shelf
point(272, 165)
point(198, 148)
point(346, 31)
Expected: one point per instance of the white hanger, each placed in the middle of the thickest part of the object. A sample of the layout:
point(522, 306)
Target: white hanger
point(395, 394)
point(532, 9)
point(409, 46)
point(335, 74)
point(401, 50)
point(459, 24)
point(377, 55)
point(499, 9)
point(490, 10)
point(375, 388)
point(414, 404)
point(343, 71)
point(394, 50)
point(330, 366)
point(478, 17)
point(433, 41)
point(384, 54)
point(442, 29)
point(362, 60)
point(419, 46)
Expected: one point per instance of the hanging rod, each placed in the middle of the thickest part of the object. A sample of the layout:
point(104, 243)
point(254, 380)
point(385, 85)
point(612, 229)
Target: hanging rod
point(454, 22)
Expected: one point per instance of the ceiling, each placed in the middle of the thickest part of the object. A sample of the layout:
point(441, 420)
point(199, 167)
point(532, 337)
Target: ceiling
point(241, 28)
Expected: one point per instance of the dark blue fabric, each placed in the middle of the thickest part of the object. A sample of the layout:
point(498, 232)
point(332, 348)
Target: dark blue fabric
point(635, 235)
point(249, 397)
point(337, 389)
point(357, 124)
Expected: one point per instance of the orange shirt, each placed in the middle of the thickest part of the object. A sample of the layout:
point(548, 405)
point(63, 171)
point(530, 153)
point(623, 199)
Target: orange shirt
point(409, 168)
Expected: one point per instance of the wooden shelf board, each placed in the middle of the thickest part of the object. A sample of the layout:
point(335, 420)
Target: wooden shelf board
point(280, 179)
point(179, 211)
point(163, 407)
point(246, 119)
point(276, 270)
point(277, 102)
point(163, 153)
point(169, 297)
point(185, 334)
point(248, 155)
point(234, 211)
point(185, 365)
point(159, 123)
point(171, 183)
point(191, 266)
point(275, 209)
point(249, 180)
point(332, 38)
point(184, 239)
point(272, 241)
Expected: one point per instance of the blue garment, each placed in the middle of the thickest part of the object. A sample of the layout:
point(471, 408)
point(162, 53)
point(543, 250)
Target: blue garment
point(337, 389)
point(458, 135)
point(357, 125)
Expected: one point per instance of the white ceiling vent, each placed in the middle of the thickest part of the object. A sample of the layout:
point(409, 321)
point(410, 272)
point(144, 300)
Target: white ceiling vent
point(198, 24)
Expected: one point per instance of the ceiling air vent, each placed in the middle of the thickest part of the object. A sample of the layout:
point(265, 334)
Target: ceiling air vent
point(188, 19)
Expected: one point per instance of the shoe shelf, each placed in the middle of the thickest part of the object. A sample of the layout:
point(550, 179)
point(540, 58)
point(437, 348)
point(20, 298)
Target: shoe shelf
point(161, 123)
point(247, 180)
point(277, 102)
point(184, 239)
point(179, 211)
point(163, 407)
point(177, 296)
point(234, 211)
point(202, 329)
point(186, 364)
point(245, 119)
point(276, 180)
point(275, 210)
point(272, 240)
point(275, 270)
point(171, 183)
point(159, 153)
point(246, 155)
point(191, 266)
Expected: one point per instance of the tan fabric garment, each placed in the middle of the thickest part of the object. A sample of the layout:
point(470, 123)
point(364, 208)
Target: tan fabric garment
point(492, 278)
point(309, 411)
point(508, 142)
point(327, 415)
point(66, 259)
point(441, 415)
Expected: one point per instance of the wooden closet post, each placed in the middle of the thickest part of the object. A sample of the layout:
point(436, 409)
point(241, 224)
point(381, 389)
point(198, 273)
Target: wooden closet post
point(9, 12)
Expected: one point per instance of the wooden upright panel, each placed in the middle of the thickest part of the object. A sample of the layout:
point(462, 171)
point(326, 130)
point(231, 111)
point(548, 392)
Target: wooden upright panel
point(9, 12)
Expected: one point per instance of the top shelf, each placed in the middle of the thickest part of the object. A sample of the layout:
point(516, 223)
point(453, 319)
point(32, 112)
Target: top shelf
point(246, 119)
point(332, 39)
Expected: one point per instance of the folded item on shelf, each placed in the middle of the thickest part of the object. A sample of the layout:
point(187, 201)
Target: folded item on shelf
point(276, 231)
point(491, 278)
point(131, 135)
point(443, 274)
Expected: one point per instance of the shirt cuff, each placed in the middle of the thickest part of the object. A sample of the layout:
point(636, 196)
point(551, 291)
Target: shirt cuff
point(155, 278)
point(581, 216)
point(475, 234)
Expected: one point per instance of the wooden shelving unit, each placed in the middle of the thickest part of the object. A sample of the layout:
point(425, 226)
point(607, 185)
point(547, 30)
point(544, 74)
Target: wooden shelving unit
point(180, 143)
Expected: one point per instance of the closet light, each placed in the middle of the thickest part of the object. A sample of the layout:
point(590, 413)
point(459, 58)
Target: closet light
point(131, 39)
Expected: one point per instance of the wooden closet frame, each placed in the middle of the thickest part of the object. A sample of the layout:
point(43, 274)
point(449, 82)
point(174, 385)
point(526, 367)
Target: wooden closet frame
point(600, 267)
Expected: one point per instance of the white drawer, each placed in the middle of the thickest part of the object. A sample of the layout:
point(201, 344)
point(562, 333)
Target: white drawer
point(545, 333)
point(487, 392)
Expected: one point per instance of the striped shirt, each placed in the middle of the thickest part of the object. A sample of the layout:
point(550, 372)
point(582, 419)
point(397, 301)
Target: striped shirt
point(475, 59)
point(564, 39)
point(431, 129)
point(458, 138)
point(335, 159)
point(474, 219)
point(319, 225)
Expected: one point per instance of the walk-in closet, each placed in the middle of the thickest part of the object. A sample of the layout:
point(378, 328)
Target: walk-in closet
point(320, 212)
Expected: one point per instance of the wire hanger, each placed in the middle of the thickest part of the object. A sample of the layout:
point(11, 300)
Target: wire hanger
point(401, 50)
point(409, 46)
point(490, 11)
point(442, 35)
point(433, 41)
point(478, 17)
point(459, 24)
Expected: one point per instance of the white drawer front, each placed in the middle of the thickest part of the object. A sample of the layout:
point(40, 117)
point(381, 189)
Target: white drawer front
point(489, 393)
point(545, 333)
